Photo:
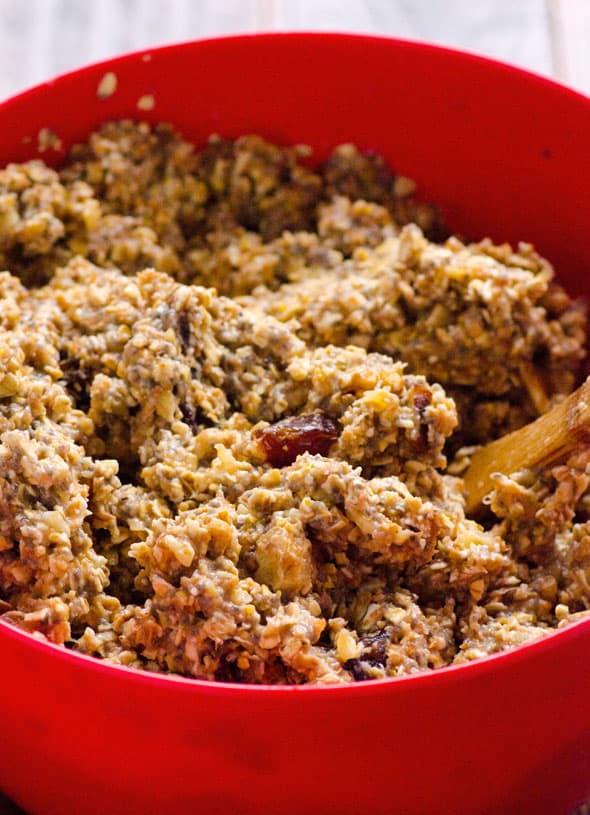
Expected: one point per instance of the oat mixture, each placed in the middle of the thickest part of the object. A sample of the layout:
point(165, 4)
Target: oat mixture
point(236, 397)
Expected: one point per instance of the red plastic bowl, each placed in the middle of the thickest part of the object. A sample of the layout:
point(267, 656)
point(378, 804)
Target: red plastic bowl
point(506, 154)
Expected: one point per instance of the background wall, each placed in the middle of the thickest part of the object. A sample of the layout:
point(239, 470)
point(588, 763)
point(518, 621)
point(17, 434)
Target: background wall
point(41, 38)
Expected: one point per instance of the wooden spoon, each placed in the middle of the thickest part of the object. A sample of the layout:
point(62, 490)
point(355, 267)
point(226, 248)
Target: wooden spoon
point(549, 438)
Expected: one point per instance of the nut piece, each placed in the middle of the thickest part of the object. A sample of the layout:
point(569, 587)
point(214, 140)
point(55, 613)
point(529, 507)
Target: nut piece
point(107, 85)
point(347, 646)
point(146, 102)
point(47, 139)
point(477, 588)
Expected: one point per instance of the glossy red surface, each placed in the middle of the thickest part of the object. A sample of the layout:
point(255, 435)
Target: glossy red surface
point(506, 154)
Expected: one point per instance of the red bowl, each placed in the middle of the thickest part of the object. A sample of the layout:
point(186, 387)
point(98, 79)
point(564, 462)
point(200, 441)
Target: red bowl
point(505, 154)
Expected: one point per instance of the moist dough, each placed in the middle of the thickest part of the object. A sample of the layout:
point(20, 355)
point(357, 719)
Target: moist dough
point(165, 311)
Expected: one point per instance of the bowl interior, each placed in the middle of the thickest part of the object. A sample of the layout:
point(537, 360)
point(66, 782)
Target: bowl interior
point(499, 149)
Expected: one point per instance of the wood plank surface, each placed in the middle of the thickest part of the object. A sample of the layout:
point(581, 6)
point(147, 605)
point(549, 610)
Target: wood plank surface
point(516, 32)
point(570, 36)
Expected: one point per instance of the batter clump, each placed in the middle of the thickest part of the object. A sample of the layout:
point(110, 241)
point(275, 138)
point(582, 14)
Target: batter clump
point(229, 389)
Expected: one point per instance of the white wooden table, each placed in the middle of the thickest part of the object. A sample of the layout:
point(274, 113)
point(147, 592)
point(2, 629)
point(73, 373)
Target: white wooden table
point(41, 38)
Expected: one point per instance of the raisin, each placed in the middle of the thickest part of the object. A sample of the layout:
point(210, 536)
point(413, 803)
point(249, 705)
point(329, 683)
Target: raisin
point(289, 438)
point(422, 398)
point(77, 381)
point(184, 329)
point(374, 655)
point(195, 417)
point(375, 648)
point(355, 667)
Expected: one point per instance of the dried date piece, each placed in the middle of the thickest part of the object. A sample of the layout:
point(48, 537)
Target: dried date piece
point(285, 440)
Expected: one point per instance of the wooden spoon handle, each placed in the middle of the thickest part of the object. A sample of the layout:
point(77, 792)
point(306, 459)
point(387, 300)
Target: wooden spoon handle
point(549, 438)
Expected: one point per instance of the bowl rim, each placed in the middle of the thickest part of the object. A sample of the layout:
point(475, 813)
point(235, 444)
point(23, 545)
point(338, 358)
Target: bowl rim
point(307, 36)
point(466, 671)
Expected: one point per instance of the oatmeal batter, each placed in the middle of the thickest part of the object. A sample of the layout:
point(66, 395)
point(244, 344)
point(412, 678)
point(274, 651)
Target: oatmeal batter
point(232, 392)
